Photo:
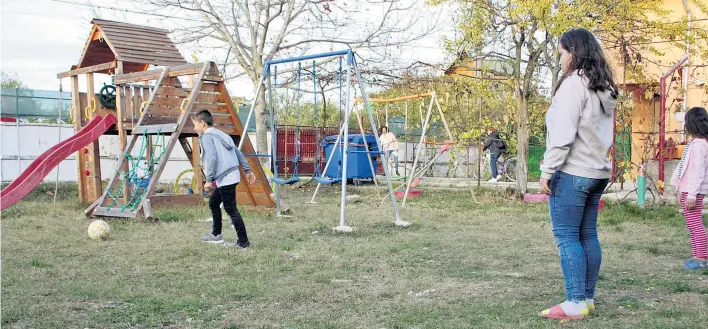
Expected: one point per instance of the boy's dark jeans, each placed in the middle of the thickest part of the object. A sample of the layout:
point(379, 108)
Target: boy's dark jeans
point(227, 196)
point(493, 163)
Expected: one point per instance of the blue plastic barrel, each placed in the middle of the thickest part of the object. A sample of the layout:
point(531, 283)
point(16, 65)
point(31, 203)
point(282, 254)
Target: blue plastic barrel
point(357, 162)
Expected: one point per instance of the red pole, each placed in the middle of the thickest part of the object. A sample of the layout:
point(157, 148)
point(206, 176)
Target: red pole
point(614, 143)
point(662, 127)
point(662, 117)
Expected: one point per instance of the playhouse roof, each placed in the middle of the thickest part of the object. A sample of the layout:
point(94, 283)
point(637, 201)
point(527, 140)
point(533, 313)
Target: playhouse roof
point(136, 46)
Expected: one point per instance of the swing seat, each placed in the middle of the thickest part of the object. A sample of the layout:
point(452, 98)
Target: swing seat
point(285, 181)
point(326, 180)
point(139, 182)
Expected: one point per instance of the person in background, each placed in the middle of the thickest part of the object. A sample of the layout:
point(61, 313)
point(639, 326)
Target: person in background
point(389, 144)
point(496, 146)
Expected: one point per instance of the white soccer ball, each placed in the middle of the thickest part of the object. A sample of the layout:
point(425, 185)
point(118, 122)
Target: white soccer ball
point(99, 230)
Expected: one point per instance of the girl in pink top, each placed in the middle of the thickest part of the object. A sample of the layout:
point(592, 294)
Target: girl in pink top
point(691, 180)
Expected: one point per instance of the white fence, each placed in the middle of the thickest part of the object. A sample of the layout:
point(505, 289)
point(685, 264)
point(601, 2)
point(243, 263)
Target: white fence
point(22, 143)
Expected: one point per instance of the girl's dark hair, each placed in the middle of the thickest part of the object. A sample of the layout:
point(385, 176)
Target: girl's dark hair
point(384, 127)
point(697, 122)
point(588, 59)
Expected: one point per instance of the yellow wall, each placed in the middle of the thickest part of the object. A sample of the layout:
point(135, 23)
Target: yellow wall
point(645, 114)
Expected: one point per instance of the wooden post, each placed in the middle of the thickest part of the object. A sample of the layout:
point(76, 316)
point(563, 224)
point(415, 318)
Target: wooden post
point(122, 133)
point(147, 209)
point(196, 153)
point(197, 164)
point(78, 123)
point(92, 158)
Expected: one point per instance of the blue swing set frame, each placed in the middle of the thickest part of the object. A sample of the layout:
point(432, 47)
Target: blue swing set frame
point(351, 65)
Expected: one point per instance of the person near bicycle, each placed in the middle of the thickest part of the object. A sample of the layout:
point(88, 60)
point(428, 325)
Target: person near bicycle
point(496, 147)
point(389, 144)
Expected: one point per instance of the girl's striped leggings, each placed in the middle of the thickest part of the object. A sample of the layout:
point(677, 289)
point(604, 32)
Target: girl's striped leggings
point(694, 222)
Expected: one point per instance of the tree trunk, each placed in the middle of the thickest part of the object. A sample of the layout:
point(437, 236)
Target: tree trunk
point(261, 126)
point(554, 78)
point(522, 146)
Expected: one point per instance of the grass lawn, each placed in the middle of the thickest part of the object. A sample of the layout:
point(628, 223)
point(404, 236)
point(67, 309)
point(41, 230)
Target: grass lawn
point(460, 265)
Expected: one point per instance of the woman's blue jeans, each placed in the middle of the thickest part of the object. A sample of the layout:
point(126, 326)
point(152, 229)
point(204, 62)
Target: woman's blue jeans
point(573, 207)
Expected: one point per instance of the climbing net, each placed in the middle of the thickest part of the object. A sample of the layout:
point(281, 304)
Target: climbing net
point(138, 175)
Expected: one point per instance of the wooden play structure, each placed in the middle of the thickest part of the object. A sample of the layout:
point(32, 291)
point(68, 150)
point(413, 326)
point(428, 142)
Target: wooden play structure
point(152, 107)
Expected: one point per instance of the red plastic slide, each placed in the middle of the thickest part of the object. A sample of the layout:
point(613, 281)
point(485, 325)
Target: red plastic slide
point(45, 163)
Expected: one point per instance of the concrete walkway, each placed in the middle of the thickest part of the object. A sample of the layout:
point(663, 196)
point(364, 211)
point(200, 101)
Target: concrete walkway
point(615, 192)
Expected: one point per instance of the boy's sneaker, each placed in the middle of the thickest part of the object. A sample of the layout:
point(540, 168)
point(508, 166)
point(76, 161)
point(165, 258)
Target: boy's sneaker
point(493, 180)
point(211, 238)
point(695, 264)
point(238, 244)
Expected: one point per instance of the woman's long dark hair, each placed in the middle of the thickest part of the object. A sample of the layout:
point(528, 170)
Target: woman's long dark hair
point(697, 122)
point(588, 59)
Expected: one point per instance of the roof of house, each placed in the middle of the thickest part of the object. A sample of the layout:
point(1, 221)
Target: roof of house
point(489, 64)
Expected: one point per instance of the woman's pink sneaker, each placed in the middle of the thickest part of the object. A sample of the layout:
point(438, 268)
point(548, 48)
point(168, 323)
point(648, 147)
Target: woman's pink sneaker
point(575, 311)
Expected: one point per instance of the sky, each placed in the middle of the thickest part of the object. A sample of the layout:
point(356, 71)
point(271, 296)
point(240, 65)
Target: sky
point(41, 38)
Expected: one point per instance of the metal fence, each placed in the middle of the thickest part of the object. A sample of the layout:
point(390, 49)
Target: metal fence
point(34, 104)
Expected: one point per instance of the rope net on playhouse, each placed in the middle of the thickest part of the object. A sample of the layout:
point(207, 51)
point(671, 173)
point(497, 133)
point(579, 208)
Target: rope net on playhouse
point(138, 175)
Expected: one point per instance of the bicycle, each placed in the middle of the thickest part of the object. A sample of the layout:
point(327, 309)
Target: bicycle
point(404, 169)
point(506, 167)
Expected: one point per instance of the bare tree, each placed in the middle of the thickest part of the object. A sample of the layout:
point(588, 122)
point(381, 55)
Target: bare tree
point(256, 31)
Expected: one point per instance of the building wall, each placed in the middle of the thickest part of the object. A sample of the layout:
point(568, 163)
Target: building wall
point(645, 113)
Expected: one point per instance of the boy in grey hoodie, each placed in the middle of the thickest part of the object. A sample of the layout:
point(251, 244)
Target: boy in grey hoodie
point(221, 158)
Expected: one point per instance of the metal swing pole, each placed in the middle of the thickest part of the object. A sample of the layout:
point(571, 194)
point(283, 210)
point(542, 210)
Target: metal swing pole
point(339, 171)
point(387, 124)
point(340, 91)
point(366, 145)
point(396, 213)
point(274, 141)
point(405, 142)
point(316, 118)
point(343, 201)
point(417, 153)
point(297, 124)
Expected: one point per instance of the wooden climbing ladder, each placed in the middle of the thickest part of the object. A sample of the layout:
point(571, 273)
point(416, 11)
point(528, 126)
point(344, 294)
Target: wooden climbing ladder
point(166, 112)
